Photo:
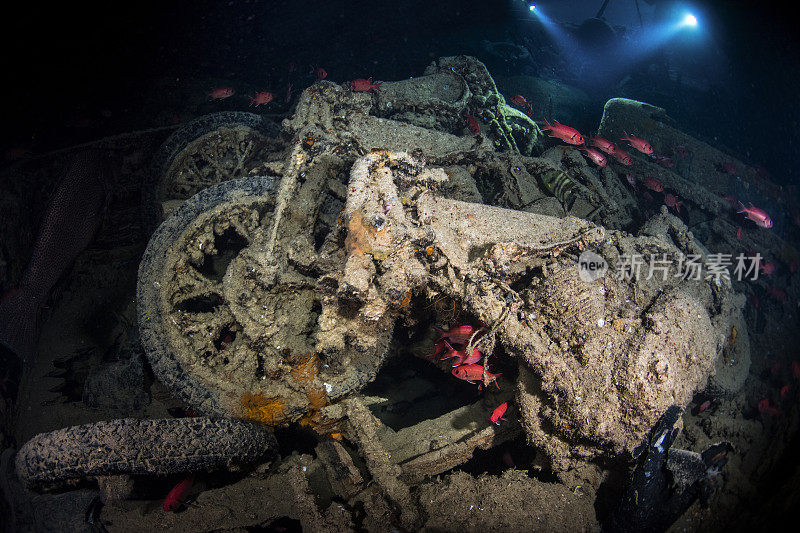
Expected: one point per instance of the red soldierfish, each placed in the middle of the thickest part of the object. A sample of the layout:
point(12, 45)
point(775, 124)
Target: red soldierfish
point(653, 184)
point(640, 144)
point(319, 72)
point(461, 356)
point(521, 101)
point(796, 370)
point(565, 133)
point(177, 496)
point(670, 200)
point(738, 234)
point(606, 146)
point(596, 157)
point(622, 156)
point(472, 124)
point(439, 349)
point(663, 160)
point(220, 93)
point(498, 413)
point(263, 97)
point(473, 373)
point(457, 335)
point(759, 216)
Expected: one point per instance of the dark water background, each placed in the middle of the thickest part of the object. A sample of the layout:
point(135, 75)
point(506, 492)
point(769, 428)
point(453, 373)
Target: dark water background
point(76, 72)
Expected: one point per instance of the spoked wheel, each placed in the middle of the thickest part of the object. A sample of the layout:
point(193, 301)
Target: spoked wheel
point(208, 150)
point(227, 327)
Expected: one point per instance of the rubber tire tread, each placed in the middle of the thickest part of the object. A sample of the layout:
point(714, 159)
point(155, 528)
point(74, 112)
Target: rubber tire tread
point(178, 141)
point(151, 269)
point(141, 446)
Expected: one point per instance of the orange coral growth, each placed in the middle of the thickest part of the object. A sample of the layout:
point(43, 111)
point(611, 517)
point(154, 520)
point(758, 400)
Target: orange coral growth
point(304, 368)
point(359, 237)
point(267, 411)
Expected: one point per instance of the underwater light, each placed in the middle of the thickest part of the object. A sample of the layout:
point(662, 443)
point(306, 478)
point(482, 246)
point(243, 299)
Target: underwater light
point(532, 7)
point(689, 20)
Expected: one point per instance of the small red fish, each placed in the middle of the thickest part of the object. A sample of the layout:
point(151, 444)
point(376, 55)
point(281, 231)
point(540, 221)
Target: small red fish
point(458, 334)
point(362, 85)
point(638, 143)
point(796, 370)
point(622, 156)
point(606, 146)
point(663, 160)
point(220, 93)
point(262, 97)
point(439, 349)
point(653, 184)
point(766, 409)
point(768, 269)
point(672, 201)
point(319, 72)
point(738, 234)
point(177, 496)
point(727, 168)
point(565, 133)
point(705, 405)
point(596, 157)
point(681, 151)
point(757, 215)
point(472, 124)
point(473, 373)
point(461, 357)
point(498, 413)
point(521, 101)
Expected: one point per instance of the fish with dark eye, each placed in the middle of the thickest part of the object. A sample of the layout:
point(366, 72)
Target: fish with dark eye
point(522, 102)
point(473, 373)
point(220, 93)
point(472, 124)
point(262, 97)
point(757, 215)
point(565, 133)
point(670, 200)
point(461, 357)
point(604, 144)
point(457, 334)
point(663, 160)
point(653, 184)
point(596, 157)
point(638, 143)
point(623, 157)
point(177, 496)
